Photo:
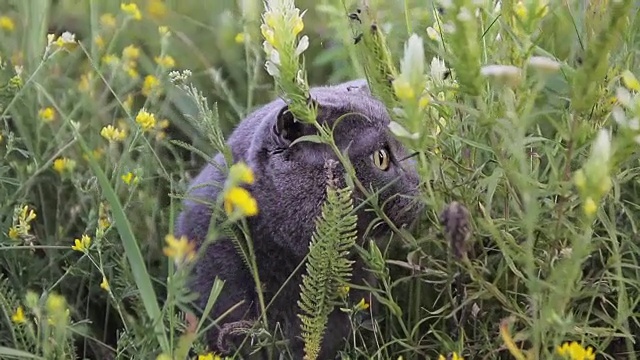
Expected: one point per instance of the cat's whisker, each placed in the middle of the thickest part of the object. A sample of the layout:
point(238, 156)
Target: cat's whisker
point(409, 156)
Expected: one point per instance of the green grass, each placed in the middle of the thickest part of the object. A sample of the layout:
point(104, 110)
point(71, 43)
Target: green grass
point(551, 251)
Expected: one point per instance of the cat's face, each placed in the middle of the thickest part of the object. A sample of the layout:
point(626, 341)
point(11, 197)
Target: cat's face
point(383, 166)
point(295, 176)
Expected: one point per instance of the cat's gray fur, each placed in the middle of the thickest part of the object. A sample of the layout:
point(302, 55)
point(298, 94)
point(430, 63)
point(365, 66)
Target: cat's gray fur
point(290, 187)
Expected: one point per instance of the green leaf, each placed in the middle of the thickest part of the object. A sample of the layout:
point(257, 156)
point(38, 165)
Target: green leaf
point(8, 353)
point(311, 138)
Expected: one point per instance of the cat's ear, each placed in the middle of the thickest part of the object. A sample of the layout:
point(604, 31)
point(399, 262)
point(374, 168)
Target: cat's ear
point(287, 128)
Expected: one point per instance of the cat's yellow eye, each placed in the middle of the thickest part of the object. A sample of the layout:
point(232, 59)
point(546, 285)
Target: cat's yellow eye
point(381, 159)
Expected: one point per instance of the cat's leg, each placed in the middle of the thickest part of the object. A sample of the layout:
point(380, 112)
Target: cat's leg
point(237, 300)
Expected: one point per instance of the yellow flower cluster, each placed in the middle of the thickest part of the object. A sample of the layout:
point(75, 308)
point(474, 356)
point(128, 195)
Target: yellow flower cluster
point(156, 8)
point(454, 356)
point(7, 24)
point(113, 134)
point(575, 351)
point(521, 10)
point(82, 244)
point(150, 86)
point(63, 164)
point(22, 223)
point(131, 9)
point(237, 200)
point(129, 178)
point(209, 356)
point(105, 284)
point(18, 317)
point(181, 250)
point(165, 61)
point(57, 310)
point(107, 20)
point(146, 120)
point(282, 22)
point(130, 54)
point(66, 41)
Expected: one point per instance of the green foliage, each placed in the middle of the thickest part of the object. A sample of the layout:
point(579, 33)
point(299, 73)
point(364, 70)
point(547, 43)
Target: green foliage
point(328, 266)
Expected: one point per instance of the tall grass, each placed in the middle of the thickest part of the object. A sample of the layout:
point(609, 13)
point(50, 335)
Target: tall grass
point(525, 140)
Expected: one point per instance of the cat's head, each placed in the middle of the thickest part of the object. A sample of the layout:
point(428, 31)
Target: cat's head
point(295, 174)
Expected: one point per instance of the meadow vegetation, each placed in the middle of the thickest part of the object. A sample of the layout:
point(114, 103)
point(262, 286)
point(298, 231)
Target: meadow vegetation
point(524, 121)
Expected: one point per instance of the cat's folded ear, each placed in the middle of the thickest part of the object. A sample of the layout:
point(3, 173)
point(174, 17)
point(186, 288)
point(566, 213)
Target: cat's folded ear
point(287, 128)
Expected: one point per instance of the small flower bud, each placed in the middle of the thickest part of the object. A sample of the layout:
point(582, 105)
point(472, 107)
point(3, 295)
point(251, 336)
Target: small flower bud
point(630, 81)
point(544, 64)
point(506, 74)
point(589, 207)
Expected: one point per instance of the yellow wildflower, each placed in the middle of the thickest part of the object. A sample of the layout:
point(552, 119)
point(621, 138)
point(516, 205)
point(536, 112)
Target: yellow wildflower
point(590, 207)
point(239, 38)
point(64, 164)
point(18, 316)
point(57, 309)
point(424, 101)
point(241, 172)
point(21, 223)
point(67, 40)
point(97, 154)
point(55, 303)
point(27, 215)
point(403, 89)
point(269, 35)
point(579, 179)
point(298, 25)
point(146, 120)
point(630, 81)
point(209, 356)
point(99, 40)
point(156, 8)
point(131, 52)
point(163, 30)
point(6, 23)
point(47, 114)
point(130, 69)
point(85, 82)
point(362, 305)
point(14, 233)
point(179, 250)
point(151, 84)
point(239, 199)
point(166, 61)
point(132, 10)
point(83, 244)
point(104, 284)
point(520, 10)
point(108, 20)
point(129, 178)
point(110, 59)
point(103, 217)
point(163, 124)
point(454, 356)
point(343, 291)
point(113, 134)
point(575, 351)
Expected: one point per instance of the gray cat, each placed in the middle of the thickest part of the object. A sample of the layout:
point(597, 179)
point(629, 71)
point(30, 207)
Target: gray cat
point(290, 187)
